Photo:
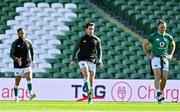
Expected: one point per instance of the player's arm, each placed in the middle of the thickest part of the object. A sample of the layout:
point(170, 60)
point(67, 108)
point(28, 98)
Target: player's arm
point(145, 48)
point(31, 52)
point(172, 49)
point(32, 55)
point(99, 54)
point(12, 52)
point(76, 48)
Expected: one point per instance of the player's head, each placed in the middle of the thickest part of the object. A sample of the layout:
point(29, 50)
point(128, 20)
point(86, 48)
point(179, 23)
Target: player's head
point(21, 33)
point(161, 26)
point(90, 28)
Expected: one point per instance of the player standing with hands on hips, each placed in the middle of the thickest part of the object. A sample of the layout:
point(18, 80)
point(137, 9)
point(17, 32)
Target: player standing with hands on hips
point(163, 47)
point(23, 56)
point(89, 54)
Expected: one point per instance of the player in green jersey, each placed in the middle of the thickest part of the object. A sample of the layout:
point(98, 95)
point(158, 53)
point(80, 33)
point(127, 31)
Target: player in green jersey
point(163, 47)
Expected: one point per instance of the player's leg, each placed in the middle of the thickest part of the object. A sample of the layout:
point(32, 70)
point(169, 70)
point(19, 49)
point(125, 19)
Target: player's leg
point(163, 80)
point(92, 68)
point(28, 76)
point(17, 81)
point(85, 72)
point(164, 74)
point(157, 76)
point(155, 63)
point(17, 74)
point(90, 93)
point(92, 75)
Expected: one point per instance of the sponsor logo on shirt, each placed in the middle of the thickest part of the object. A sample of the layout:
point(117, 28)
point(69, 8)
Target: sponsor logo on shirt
point(161, 44)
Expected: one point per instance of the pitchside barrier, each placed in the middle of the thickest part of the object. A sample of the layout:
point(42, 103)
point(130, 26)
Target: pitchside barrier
point(104, 90)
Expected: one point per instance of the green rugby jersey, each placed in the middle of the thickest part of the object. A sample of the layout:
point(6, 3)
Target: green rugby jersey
point(160, 43)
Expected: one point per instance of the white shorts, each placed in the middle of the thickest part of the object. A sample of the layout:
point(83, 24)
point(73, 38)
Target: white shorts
point(91, 66)
point(156, 63)
point(21, 71)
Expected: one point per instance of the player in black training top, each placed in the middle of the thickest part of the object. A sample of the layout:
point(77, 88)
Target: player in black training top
point(23, 56)
point(89, 54)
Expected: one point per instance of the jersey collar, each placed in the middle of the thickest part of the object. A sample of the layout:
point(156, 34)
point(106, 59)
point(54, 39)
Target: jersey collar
point(163, 33)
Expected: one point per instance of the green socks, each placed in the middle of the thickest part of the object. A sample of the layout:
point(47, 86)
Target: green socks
point(87, 86)
point(29, 85)
point(16, 91)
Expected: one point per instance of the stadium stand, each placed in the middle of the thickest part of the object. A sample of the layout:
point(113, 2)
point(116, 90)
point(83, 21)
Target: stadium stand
point(53, 26)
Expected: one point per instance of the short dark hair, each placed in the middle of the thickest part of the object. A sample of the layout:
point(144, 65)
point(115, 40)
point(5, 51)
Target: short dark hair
point(19, 29)
point(161, 22)
point(89, 24)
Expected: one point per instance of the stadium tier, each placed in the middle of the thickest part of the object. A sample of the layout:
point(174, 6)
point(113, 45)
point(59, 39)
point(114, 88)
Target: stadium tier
point(54, 26)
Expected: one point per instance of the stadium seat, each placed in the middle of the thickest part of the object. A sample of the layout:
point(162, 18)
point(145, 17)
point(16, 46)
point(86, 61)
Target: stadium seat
point(120, 48)
point(128, 71)
point(29, 5)
point(120, 57)
point(112, 43)
point(134, 58)
point(128, 62)
point(112, 62)
point(135, 67)
point(59, 75)
point(105, 76)
point(58, 65)
point(137, 76)
point(43, 75)
point(178, 76)
point(51, 1)
point(121, 76)
point(9, 74)
point(128, 53)
point(112, 53)
point(1, 74)
point(112, 70)
point(149, 76)
point(74, 75)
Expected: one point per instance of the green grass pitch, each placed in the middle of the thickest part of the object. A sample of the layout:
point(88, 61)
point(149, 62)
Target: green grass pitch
point(59, 106)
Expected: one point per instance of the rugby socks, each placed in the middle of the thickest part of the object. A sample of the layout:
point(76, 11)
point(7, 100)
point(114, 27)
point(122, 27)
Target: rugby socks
point(29, 85)
point(15, 91)
point(91, 88)
point(86, 84)
point(158, 90)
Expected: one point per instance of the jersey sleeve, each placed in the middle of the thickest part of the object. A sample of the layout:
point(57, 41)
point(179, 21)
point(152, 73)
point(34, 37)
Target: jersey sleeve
point(99, 50)
point(150, 38)
point(12, 51)
point(170, 39)
point(31, 51)
point(76, 48)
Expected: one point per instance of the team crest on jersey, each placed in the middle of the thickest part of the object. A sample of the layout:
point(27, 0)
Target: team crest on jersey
point(161, 44)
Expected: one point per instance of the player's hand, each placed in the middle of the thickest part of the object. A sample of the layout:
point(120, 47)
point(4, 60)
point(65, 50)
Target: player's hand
point(100, 64)
point(19, 61)
point(169, 57)
point(72, 63)
point(149, 56)
point(33, 64)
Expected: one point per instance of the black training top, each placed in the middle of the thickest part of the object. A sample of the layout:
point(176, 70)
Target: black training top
point(22, 48)
point(89, 49)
